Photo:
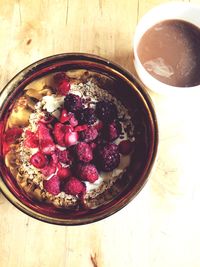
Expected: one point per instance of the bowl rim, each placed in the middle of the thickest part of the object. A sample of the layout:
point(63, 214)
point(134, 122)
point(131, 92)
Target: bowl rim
point(134, 82)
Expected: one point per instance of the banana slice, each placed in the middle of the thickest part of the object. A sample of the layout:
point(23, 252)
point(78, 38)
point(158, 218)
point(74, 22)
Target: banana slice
point(18, 118)
point(76, 74)
point(31, 102)
point(37, 193)
point(41, 83)
point(34, 93)
point(38, 94)
point(10, 158)
point(20, 113)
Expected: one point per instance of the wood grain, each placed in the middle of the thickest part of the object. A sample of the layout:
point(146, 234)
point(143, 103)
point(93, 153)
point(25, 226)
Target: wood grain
point(160, 228)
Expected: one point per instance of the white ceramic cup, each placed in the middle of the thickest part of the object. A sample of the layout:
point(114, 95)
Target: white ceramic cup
point(171, 10)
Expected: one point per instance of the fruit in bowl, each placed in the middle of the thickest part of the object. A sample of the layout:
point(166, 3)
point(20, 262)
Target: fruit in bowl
point(77, 142)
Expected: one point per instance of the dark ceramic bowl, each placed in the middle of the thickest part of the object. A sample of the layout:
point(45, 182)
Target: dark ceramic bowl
point(131, 93)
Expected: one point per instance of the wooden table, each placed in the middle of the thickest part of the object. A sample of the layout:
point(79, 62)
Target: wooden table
point(160, 228)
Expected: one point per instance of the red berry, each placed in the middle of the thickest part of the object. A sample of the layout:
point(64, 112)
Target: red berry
point(47, 147)
point(84, 152)
point(12, 134)
point(63, 156)
point(72, 120)
point(49, 169)
point(52, 185)
point(125, 147)
point(69, 129)
point(47, 118)
point(54, 158)
point(99, 125)
point(74, 186)
point(46, 143)
point(64, 172)
point(38, 160)
point(59, 133)
point(71, 138)
point(93, 145)
point(31, 139)
point(113, 130)
point(87, 172)
point(59, 77)
point(64, 116)
point(89, 134)
point(81, 128)
point(63, 87)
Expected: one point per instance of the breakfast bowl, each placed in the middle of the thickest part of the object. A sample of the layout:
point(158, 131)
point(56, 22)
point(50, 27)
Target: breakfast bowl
point(166, 48)
point(79, 138)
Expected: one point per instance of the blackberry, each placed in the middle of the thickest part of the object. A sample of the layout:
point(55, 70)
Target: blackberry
point(73, 102)
point(106, 111)
point(108, 157)
point(86, 116)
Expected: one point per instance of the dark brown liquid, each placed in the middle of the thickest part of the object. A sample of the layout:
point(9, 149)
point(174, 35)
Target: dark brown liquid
point(170, 52)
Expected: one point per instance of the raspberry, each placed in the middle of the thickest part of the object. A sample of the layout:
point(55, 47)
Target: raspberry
point(59, 132)
point(80, 128)
point(38, 160)
point(64, 116)
point(47, 118)
point(12, 134)
point(108, 157)
point(59, 77)
point(113, 130)
point(72, 120)
point(73, 102)
point(49, 169)
point(63, 85)
point(31, 139)
point(63, 88)
point(71, 138)
point(47, 147)
point(87, 172)
point(52, 185)
point(84, 152)
point(74, 186)
point(125, 147)
point(93, 145)
point(46, 143)
point(106, 111)
point(64, 156)
point(99, 125)
point(54, 158)
point(86, 116)
point(63, 172)
point(89, 134)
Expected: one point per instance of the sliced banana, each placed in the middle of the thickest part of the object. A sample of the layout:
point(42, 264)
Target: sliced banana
point(20, 113)
point(10, 159)
point(37, 193)
point(76, 74)
point(19, 118)
point(41, 83)
point(31, 103)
